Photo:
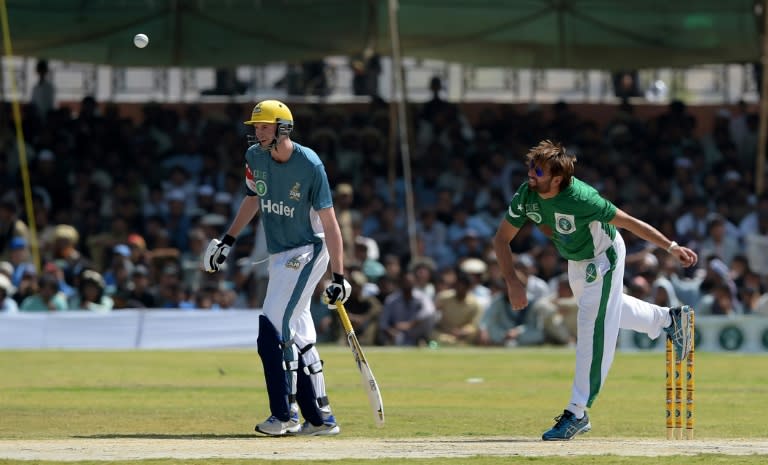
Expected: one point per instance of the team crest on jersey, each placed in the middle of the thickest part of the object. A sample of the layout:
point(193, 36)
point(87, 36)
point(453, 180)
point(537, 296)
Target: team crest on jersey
point(565, 224)
point(295, 194)
point(294, 263)
point(591, 274)
point(260, 187)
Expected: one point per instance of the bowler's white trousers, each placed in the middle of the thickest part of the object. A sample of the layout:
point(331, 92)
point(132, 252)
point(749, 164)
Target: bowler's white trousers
point(597, 285)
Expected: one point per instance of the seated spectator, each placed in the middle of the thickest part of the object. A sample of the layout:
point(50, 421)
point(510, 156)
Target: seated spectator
point(476, 269)
point(46, 298)
point(139, 292)
point(91, 294)
point(363, 311)
point(10, 224)
point(498, 324)
point(557, 314)
point(459, 314)
point(7, 304)
point(407, 317)
point(423, 269)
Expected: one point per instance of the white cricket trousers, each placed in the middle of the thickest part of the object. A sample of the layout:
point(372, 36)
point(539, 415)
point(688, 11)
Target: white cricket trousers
point(293, 276)
point(598, 287)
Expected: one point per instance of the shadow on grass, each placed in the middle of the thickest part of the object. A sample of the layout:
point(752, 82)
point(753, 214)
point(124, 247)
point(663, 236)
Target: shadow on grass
point(170, 436)
point(462, 440)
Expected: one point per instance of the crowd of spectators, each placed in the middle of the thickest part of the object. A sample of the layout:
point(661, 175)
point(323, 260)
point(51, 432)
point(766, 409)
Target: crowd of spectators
point(123, 210)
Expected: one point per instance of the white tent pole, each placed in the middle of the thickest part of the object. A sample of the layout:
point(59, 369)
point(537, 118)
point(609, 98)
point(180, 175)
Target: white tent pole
point(402, 123)
point(763, 126)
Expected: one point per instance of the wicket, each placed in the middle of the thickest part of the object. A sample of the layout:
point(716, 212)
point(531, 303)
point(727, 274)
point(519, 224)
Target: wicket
point(674, 387)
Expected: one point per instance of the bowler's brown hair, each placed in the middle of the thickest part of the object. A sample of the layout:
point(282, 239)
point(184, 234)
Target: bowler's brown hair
point(553, 155)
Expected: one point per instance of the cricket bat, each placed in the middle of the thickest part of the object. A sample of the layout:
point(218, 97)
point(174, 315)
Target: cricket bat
point(366, 375)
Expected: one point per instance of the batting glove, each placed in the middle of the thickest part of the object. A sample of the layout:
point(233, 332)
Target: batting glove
point(338, 290)
point(217, 252)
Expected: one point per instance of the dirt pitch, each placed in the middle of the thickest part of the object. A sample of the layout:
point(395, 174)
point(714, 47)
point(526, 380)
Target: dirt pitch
point(296, 448)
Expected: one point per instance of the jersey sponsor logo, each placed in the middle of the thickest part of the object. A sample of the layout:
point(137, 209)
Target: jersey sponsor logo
point(534, 216)
point(276, 208)
point(295, 193)
point(565, 224)
point(591, 273)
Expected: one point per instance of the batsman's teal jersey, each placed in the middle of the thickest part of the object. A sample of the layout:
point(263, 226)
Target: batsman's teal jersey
point(576, 219)
point(290, 195)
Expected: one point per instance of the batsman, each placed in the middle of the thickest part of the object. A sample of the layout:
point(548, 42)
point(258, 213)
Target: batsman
point(287, 185)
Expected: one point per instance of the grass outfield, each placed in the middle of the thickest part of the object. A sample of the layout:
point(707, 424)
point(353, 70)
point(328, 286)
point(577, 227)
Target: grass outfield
point(427, 394)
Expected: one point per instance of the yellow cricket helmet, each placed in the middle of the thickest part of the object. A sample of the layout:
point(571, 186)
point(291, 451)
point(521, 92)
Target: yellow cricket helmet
point(272, 111)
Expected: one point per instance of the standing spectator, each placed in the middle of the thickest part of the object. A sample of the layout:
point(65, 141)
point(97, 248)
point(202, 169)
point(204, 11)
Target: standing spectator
point(43, 92)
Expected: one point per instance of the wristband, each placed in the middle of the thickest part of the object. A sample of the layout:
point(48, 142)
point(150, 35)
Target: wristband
point(338, 278)
point(228, 240)
point(672, 246)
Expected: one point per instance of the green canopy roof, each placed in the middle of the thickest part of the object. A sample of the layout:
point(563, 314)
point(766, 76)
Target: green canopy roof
point(600, 34)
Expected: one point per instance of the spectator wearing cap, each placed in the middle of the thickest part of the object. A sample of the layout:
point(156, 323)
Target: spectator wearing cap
point(371, 268)
point(47, 297)
point(10, 224)
point(7, 304)
point(118, 274)
point(476, 268)
point(27, 284)
point(717, 242)
point(18, 257)
point(138, 247)
point(91, 294)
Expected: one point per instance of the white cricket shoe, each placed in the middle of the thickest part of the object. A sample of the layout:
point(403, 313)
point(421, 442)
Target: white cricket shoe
point(273, 426)
point(328, 428)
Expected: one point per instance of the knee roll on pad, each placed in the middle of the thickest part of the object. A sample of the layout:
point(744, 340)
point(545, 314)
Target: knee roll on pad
point(271, 354)
point(307, 397)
